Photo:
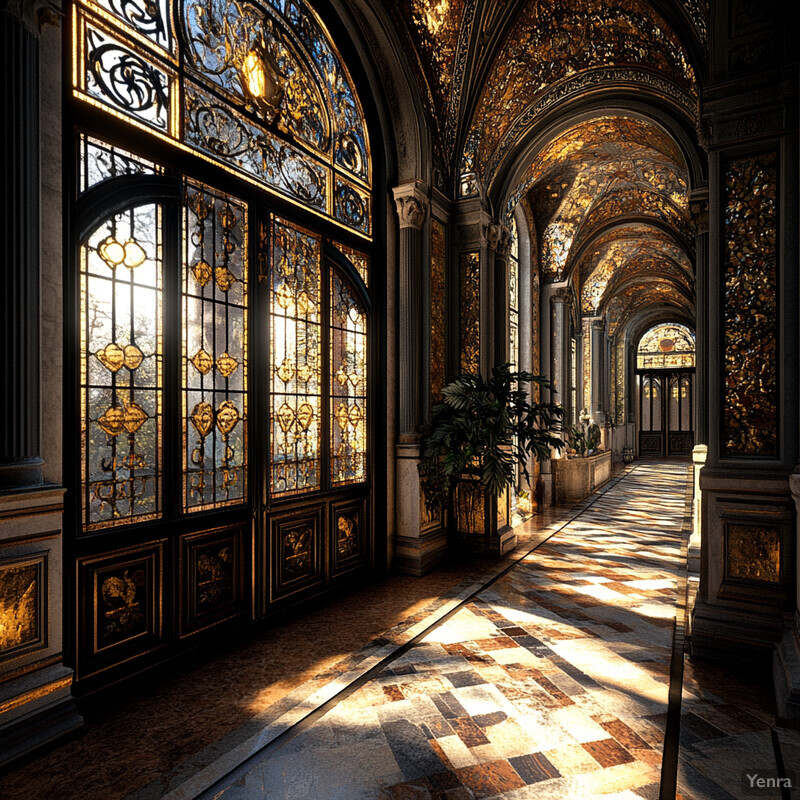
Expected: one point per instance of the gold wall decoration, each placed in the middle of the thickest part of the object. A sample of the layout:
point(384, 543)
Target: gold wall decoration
point(347, 535)
point(438, 346)
point(20, 589)
point(214, 575)
point(297, 552)
point(470, 268)
point(753, 552)
point(121, 605)
point(750, 425)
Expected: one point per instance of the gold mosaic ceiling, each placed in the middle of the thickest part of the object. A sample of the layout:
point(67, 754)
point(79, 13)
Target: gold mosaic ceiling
point(610, 206)
point(484, 67)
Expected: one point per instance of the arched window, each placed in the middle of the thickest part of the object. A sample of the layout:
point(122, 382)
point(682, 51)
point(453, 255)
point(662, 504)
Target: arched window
point(665, 346)
point(223, 378)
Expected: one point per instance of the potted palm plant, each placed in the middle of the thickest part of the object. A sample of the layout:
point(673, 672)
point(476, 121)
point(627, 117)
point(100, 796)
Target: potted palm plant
point(477, 437)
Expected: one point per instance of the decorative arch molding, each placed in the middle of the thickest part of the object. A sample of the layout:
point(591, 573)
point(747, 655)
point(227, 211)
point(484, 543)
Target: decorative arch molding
point(506, 187)
point(405, 139)
point(583, 244)
point(642, 321)
point(589, 83)
point(642, 280)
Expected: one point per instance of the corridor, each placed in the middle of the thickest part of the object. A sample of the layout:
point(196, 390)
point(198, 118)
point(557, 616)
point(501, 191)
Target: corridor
point(552, 681)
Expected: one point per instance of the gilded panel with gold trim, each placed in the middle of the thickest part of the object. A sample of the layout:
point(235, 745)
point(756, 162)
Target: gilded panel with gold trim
point(753, 552)
point(20, 604)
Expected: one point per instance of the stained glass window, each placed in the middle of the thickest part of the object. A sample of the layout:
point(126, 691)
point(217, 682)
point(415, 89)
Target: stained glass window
point(666, 346)
point(295, 359)
point(100, 161)
point(121, 369)
point(513, 296)
point(214, 349)
point(254, 86)
point(348, 335)
point(470, 269)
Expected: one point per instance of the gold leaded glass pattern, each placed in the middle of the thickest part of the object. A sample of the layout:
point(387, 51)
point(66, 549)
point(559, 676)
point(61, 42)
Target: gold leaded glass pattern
point(470, 269)
point(438, 304)
point(348, 384)
point(100, 161)
point(513, 296)
point(751, 307)
point(665, 346)
point(358, 259)
point(214, 349)
point(255, 86)
point(295, 359)
point(121, 369)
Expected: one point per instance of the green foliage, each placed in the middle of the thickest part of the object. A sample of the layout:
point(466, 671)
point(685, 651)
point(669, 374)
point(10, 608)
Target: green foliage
point(483, 430)
point(578, 439)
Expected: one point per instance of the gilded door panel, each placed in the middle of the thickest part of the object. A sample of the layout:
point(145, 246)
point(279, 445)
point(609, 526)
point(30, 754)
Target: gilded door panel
point(348, 541)
point(212, 578)
point(296, 553)
point(121, 614)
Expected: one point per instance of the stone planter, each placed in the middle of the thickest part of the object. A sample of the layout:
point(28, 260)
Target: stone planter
point(575, 478)
point(480, 520)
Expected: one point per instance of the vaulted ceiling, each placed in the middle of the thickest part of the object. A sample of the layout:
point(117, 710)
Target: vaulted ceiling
point(609, 194)
point(486, 68)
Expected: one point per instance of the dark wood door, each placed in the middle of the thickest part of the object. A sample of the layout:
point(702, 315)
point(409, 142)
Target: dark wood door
point(665, 412)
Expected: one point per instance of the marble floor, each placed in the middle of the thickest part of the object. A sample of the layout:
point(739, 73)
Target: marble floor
point(557, 671)
point(551, 682)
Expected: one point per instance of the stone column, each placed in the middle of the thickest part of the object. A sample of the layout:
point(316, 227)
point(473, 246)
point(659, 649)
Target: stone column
point(420, 540)
point(559, 313)
point(20, 456)
point(599, 378)
point(698, 204)
point(699, 454)
point(412, 210)
point(36, 706)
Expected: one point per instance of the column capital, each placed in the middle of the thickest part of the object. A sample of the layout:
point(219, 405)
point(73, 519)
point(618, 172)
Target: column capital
point(698, 208)
point(412, 204)
point(498, 237)
point(561, 294)
point(35, 15)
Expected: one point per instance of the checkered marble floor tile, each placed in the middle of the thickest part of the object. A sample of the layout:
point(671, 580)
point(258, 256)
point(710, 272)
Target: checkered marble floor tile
point(552, 682)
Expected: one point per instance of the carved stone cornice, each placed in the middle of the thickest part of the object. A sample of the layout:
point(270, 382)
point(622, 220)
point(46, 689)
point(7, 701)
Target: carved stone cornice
point(412, 204)
point(35, 15)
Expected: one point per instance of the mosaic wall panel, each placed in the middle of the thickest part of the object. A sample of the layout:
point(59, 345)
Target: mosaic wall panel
point(349, 388)
point(619, 382)
point(121, 613)
point(750, 421)
point(212, 588)
point(121, 369)
point(295, 360)
point(214, 350)
point(437, 305)
point(297, 553)
point(753, 552)
point(22, 590)
point(470, 323)
point(348, 542)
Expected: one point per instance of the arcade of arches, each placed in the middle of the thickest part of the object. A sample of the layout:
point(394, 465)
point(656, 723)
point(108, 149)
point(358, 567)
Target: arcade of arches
point(248, 243)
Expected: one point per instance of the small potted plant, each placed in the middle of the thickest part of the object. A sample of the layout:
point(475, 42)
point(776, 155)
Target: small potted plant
point(478, 436)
